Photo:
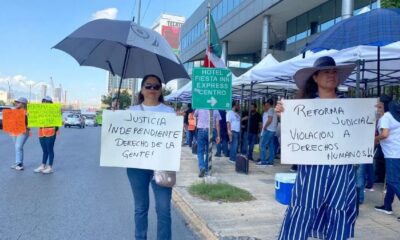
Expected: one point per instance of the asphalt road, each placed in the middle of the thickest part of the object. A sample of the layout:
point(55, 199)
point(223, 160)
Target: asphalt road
point(80, 200)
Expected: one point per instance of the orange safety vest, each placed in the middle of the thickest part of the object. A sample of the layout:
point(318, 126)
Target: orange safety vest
point(47, 132)
point(192, 122)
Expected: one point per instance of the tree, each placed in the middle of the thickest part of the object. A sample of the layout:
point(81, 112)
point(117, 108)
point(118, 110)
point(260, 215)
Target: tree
point(2, 103)
point(124, 99)
point(390, 3)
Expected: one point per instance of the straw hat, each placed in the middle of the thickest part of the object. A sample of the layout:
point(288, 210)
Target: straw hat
point(326, 62)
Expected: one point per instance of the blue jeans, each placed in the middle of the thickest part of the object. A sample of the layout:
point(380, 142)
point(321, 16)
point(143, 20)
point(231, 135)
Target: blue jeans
point(267, 139)
point(251, 139)
point(244, 143)
point(19, 142)
point(370, 175)
point(47, 144)
point(186, 135)
point(392, 181)
point(234, 146)
point(192, 136)
point(202, 148)
point(140, 180)
point(223, 146)
point(360, 184)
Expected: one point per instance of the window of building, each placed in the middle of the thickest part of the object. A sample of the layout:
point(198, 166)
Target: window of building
point(302, 26)
point(224, 8)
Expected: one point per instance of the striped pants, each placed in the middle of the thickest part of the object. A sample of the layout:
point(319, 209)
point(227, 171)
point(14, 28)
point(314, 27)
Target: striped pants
point(323, 204)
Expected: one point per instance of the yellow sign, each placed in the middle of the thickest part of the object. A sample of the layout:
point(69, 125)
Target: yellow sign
point(44, 115)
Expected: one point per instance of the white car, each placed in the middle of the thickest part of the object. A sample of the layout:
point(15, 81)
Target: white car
point(90, 121)
point(75, 120)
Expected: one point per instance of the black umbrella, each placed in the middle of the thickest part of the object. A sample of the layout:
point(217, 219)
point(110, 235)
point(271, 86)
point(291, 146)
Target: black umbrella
point(123, 48)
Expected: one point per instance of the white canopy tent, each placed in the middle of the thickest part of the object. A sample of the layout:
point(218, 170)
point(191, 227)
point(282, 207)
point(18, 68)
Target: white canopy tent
point(365, 55)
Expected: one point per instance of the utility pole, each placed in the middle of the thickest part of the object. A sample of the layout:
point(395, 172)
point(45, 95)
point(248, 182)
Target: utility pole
point(135, 80)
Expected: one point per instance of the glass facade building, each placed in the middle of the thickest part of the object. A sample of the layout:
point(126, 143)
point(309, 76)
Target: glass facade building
point(321, 18)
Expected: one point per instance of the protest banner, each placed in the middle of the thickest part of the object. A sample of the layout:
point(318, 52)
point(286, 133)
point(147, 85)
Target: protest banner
point(14, 121)
point(141, 139)
point(328, 131)
point(44, 115)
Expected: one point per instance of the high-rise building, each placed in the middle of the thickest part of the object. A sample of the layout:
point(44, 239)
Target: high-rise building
point(43, 91)
point(4, 96)
point(113, 83)
point(169, 26)
point(57, 94)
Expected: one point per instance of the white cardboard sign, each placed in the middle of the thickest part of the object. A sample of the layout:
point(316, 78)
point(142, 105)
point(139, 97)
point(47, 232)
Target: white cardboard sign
point(141, 139)
point(328, 131)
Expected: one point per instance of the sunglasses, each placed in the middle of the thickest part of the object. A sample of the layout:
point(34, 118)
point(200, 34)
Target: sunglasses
point(153, 87)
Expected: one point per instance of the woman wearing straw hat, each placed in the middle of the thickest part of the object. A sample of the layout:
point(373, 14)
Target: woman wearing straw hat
point(323, 203)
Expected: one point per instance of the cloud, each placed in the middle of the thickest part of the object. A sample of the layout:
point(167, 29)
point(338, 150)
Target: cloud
point(109, 13)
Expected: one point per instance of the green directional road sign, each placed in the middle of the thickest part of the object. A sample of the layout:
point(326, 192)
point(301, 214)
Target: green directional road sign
point(211, 88)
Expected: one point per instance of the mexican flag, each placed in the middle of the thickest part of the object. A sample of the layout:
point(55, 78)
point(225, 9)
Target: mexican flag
point(214, 48)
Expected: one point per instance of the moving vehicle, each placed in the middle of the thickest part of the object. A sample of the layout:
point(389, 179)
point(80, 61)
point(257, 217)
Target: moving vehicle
point(90, 120)
point(74, 120)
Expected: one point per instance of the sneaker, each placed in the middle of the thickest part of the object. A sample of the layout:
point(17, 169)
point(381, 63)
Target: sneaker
point(39, 169)
point(47, 170)
point(217, 155)
point(19, 167)
point(260, 164)
point(232, 161)
point(383, 210)
point(14, 166)
point(202, 173)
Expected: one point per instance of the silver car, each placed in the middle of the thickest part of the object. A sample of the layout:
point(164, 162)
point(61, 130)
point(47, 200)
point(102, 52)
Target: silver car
point(74, 120)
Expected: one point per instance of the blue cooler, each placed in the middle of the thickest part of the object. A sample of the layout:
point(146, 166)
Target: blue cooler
point(284, 183)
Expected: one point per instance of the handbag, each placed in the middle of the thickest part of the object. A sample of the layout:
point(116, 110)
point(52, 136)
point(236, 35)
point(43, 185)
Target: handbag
point(163, 178)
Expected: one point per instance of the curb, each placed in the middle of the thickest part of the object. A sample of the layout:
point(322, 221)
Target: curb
point(194, 221)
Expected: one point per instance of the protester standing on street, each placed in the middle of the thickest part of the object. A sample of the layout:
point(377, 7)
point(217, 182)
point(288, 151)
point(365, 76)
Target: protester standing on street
point(20, 140)
point(269, 127)
point(203, 123)
point(188, 130)
point(255, 126)
point(222, 146)
point(323, 202)
point(233, 126)
point(47, 138)
point(150, 99)
point(389, 138)
point(379, 158)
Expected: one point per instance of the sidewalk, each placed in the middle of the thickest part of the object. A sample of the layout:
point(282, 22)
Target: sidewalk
point(261, 218)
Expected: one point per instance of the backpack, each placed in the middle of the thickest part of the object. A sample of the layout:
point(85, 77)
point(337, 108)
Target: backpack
point(192, 122)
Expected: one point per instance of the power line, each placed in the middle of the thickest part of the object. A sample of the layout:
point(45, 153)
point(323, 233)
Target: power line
point(147, 7)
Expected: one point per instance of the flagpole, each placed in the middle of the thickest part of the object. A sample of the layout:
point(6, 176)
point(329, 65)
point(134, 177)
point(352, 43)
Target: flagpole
point(209, 33)
point(211, 112)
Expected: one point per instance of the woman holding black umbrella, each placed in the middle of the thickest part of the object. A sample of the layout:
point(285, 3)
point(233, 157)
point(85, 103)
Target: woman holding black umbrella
point(150, 99)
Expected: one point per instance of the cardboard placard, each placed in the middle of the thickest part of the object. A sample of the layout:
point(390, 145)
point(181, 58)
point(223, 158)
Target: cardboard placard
point(328, 131)
point(44, 115)
point(14, 121)
point(141, 139)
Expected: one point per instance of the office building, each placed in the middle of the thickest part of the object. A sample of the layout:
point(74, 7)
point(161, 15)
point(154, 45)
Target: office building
point(169, 26)
point(114, 81)
point(249, 30)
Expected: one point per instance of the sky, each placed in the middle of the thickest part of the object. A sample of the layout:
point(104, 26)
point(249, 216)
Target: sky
point(29, 29)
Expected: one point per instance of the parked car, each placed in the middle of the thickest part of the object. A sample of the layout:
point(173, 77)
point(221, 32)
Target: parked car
point(75, 120)
point(90, 120)
point(1, 114)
